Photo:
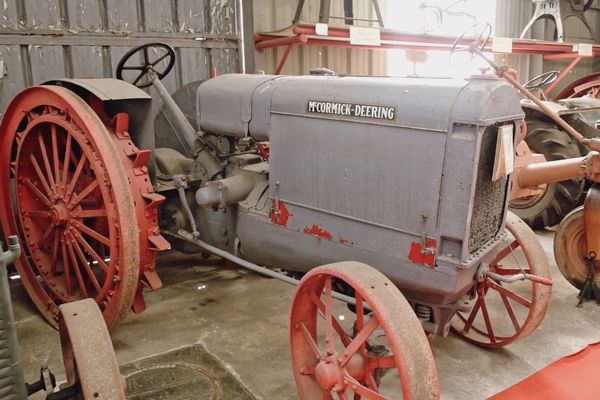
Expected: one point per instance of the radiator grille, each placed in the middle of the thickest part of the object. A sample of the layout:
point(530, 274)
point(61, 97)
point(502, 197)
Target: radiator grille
point(490, 197)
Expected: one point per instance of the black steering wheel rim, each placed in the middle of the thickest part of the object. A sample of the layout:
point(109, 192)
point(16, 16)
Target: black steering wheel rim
point(477, 45)
point(147, 65)
point(541, 80)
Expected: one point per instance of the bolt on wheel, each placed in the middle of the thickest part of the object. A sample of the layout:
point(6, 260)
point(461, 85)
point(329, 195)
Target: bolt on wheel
point(69, 201)
point(378, 354)
point(505, 312)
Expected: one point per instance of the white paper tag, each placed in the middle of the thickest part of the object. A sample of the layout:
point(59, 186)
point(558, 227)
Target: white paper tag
point(505, 153)
point(322, 29)
point(584, 49)
point(502, 45)
point(364, 36)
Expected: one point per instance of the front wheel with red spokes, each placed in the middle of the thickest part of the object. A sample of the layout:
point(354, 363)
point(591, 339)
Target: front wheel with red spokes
point(381, 353)
point(505, 312)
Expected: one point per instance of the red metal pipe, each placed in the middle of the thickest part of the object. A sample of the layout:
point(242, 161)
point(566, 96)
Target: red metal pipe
point(284, 58)
point(280, 41)
point(562, 75)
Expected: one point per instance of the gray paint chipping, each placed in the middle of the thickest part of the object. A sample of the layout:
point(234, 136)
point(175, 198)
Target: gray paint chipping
point(51, 39)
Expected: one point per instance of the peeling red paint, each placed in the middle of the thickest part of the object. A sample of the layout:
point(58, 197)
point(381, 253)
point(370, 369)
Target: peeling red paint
point(418, 257)
point(318, 232)
point(344, 241)
point(280, 218)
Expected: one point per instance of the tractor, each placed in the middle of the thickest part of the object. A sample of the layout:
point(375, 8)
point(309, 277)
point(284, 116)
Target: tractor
point(389, 194)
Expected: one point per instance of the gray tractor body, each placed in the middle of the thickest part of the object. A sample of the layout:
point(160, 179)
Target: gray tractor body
point(396, 173)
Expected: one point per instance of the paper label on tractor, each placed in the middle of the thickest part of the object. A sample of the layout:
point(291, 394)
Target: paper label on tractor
point(322, 29)
point(584, 49)
point(505, 153)
point(502, 45)
point(363, 36)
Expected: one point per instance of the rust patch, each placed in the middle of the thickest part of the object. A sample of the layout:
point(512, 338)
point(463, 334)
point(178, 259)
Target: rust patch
point(280, 216)
point(423, 258)
point(343, 241)
point(318, 232)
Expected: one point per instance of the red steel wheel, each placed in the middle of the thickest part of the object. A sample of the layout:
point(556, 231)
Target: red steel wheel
point(505, 312)
point(67, 195)
point(370, 356)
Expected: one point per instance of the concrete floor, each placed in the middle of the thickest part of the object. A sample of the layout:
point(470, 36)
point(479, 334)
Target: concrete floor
point(241, 319)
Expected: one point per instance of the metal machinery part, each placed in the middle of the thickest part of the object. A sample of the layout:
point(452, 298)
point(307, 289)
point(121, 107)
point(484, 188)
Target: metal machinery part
point(386, 344)
point(90, 363)
point(572, 243)
point(346, 179)
point(12, 381)
point(559, 11)
point(89, 229)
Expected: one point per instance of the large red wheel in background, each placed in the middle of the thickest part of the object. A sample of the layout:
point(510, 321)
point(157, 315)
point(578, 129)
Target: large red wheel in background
point(505, 312)
point(66, 193)
point(376, 355)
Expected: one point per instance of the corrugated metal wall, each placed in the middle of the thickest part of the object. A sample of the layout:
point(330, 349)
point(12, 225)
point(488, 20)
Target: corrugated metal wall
point(511, 18)
point(270, 15)
point(48, 39)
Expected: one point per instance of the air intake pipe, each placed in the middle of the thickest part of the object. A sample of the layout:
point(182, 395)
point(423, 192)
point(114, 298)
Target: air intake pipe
point(225, 192)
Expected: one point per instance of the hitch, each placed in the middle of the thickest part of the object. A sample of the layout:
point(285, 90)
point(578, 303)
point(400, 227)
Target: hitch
point(589, 290)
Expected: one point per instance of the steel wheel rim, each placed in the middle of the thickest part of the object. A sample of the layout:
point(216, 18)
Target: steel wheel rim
point(519, 311)
point(38, 107)
point(569, 249)
point(325, 373)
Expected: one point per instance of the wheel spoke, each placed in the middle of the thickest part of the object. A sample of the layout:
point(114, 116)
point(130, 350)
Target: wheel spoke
point(34, 215)
point(91, 213)
point(86, 265)
point(311, 342)
point(382, 362)
point(40, 174)
point(54, 257)
point(328, 318)
point(139, 77)
point(357, 396)
point(46, 235)
point(370, 381)
point(502, 290)
point(505, 251)
point(359, 340)
point(91, 233)
point(134, 67)
point(55, 154)
point(486, 318)
point(511, 312)
point(46, 160)
point(91, 252)
point(160, 59)
point(66, 269)
point(83, 194)
point(472, 316)
point(75, 177)
point(338, 328)
point(38, 193)
point(67, 159)
point(342, 396)
point(82, 289)
point(362, 390)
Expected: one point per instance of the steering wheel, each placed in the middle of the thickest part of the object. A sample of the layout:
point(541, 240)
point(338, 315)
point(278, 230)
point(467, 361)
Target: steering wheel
point(164, 54)
point(542, 80)
point(484, 32)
